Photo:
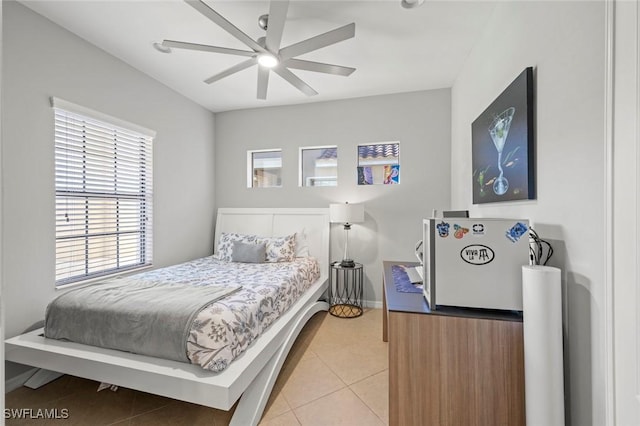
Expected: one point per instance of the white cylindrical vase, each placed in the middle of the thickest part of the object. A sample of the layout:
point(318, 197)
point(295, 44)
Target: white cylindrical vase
point(543, 354)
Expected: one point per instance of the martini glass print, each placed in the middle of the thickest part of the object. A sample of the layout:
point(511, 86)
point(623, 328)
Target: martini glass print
point(499, 129)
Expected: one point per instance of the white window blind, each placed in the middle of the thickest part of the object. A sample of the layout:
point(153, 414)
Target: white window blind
point(103, 182)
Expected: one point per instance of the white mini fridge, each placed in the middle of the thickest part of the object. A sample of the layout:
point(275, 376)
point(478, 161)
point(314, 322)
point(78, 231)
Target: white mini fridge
point(474, 262)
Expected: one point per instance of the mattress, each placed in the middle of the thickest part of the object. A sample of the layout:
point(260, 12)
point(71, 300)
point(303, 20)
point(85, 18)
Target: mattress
point(224, 329)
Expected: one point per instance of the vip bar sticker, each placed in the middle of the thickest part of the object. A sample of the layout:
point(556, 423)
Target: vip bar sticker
point(477, 254)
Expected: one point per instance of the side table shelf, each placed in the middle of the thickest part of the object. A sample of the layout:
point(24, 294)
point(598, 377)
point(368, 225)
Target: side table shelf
point(345, 290)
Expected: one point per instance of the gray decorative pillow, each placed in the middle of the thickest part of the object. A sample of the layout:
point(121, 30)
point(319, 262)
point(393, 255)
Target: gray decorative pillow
point(248, 252)
point(225, 244)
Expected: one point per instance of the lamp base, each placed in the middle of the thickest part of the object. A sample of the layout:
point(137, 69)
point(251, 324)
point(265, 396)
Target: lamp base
point(347, 263)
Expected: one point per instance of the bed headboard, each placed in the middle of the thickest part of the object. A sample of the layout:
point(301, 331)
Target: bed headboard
point(277, 222)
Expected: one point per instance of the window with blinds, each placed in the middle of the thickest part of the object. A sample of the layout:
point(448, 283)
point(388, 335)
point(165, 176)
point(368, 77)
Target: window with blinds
point(103, 182)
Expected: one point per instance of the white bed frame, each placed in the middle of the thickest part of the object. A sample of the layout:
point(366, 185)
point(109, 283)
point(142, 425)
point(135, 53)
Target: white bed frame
point(250, 377)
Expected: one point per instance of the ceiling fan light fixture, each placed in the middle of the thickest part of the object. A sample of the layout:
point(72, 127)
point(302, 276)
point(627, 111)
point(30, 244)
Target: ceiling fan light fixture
point(267, 60)
point(410, 4)
point(267, 51)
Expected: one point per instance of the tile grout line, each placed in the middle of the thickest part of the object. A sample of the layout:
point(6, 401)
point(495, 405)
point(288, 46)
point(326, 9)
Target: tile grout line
point(368, 407)
point(297, 418)
point(321, 396)
point(358, 381)
point(128, 419)
point(347, 386)
point(331, 393)
point(364, 402)
point(336, 373)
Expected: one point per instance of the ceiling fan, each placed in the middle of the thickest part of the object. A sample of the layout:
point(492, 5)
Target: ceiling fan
point(266, 51)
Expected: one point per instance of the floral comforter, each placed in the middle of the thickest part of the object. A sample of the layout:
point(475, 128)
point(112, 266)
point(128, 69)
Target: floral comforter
point(224, 329)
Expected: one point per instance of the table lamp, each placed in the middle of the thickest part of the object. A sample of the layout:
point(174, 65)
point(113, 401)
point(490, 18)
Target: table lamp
point(346, 214)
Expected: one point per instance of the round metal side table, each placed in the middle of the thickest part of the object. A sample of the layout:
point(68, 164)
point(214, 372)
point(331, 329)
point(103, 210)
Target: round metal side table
point(345, 290)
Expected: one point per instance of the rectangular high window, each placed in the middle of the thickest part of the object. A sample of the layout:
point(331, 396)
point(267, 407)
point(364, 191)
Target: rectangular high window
point(318, 166)
point(264, 168)
point(379, 163)
point(104, 187)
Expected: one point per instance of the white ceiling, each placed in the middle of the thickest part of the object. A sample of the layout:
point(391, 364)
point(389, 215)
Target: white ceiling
point(394, 49)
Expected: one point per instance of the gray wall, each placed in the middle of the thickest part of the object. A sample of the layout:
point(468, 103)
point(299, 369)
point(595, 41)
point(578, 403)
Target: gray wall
point(42, 60)
point(565, 43)
point(420, 121)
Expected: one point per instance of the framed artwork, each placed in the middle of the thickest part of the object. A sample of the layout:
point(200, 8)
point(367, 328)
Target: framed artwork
point(502, 142)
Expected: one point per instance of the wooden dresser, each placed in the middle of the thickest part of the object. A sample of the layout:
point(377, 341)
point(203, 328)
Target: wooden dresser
point(451, 366)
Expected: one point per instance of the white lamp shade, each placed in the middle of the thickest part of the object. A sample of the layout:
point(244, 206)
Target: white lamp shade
point(346, 213)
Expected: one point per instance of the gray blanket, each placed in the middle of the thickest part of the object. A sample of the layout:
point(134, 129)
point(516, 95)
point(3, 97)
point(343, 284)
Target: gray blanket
point(142, 317)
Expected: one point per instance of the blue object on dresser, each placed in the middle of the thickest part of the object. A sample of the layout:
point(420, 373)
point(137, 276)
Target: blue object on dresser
point(402, 281)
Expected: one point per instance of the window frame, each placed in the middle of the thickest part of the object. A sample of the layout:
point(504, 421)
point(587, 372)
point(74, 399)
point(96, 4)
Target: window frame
point(141, 196)
point(301, 179)
point(377, 163)
point(250, 167)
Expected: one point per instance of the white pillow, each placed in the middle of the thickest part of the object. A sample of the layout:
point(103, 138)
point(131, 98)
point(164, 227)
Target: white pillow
point(225, 244)
point(302, 245)
point(280, 249)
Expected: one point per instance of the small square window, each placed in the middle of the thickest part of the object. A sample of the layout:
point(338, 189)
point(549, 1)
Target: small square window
point(379, 163)
point(264, 169)
point(318, 166)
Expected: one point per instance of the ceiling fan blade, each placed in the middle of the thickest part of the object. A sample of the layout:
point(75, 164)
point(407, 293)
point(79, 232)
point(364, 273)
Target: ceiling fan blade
point(206, 48)
point(295, 81)
point(317, 42)
point(238, 67)
point(300, 64)
point(263, 82)
point(201, 7)
point(275, 26)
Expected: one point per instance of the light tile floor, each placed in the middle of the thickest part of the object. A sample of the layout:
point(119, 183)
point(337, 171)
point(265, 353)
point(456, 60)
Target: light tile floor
point(336, 374)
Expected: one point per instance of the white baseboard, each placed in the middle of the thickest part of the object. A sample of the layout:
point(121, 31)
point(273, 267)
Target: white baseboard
point(19, 380)
point(372, 304)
